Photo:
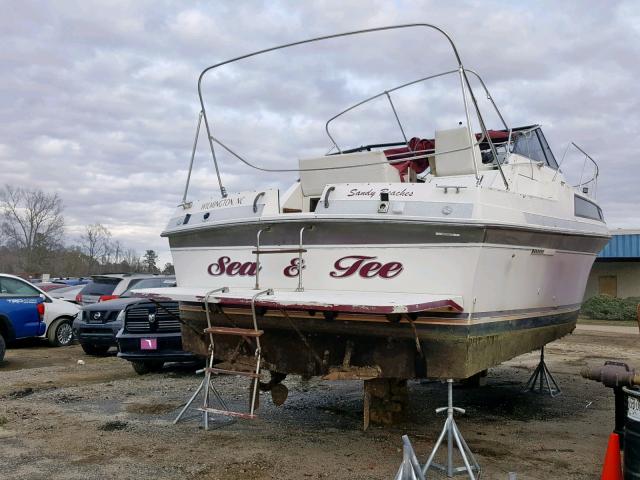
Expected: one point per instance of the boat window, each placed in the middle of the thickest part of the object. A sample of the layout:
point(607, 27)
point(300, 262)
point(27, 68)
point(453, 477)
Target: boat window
point(528, 145)
point(551, 160)
point(587, 209)
point(533, 145)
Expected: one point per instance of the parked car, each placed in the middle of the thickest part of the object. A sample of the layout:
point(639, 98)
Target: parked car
point(151, 336)
point(99, 322)
point(67, 292)
point(57, 317)
point(109, 286)
point(50, 286)
point(72, 281)
point(21, 313)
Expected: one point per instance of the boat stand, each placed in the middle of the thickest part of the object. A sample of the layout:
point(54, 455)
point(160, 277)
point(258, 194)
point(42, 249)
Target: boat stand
point(453, 434)
point(541, 380)
point(409, 468)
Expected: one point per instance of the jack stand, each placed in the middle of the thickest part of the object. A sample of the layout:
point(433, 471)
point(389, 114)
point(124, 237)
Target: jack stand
point(542, 377)
point(409, 468)
point(453, 434)
point(208, 388)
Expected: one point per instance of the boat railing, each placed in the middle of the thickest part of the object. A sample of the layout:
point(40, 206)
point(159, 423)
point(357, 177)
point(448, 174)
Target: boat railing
point(465, 85)
point(589, 186)
point(418, 155)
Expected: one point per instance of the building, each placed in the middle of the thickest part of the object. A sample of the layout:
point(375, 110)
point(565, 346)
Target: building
point(616, 271)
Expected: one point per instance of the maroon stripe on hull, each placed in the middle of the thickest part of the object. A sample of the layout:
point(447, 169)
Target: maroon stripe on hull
point(449, 305)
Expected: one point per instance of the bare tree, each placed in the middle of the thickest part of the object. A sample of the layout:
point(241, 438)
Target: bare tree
point(118, 251)
point(131, 259)
point(96, 244)
point(32, 222)
point(106, 257)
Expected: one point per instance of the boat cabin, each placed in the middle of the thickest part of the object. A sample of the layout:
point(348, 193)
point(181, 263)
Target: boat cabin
point(446, 155)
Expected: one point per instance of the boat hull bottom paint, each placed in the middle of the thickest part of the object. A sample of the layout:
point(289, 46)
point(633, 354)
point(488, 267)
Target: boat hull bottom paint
point(355, 348)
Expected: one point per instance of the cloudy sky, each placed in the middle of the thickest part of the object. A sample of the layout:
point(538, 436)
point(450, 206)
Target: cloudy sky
point(98, 100)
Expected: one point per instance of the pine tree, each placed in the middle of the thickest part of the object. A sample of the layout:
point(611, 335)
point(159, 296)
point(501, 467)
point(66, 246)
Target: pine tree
point(149, 261)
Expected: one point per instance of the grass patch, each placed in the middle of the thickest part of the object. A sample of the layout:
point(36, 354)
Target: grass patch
point(596, 321)
point(3, 420)
point(604, 307)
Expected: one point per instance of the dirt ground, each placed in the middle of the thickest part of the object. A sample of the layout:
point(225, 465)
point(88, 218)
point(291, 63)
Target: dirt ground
point(63, 420)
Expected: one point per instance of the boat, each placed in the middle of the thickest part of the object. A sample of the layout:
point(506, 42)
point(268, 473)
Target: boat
point(435, 257)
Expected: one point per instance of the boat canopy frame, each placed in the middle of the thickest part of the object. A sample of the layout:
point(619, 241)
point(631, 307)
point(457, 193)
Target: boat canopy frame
point(399, 87)
point(465, 86)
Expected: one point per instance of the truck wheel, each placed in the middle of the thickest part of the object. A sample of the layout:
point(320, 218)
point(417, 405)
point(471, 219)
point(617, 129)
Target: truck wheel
point(142, 368)
point(95, 350)
point(3, 348)
point(60, 333)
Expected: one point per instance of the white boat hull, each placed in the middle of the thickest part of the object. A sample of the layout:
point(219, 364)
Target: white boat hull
point(488, 278)
point(469, 302)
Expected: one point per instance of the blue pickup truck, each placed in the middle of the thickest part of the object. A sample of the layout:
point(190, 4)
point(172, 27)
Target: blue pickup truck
point(21, 316)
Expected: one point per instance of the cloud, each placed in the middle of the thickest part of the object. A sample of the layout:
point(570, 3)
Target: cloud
point(99, 101)
point(49, 146)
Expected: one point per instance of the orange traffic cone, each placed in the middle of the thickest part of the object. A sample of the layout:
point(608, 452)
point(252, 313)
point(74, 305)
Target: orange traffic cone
point(612, 468)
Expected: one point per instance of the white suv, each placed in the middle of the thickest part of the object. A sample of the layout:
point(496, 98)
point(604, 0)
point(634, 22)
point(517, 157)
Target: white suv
point(108, 286)
point(58, 314)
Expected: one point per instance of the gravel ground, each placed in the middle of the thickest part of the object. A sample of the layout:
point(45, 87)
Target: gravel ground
point(63, 420)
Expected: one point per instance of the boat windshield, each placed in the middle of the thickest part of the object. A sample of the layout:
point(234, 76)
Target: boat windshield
point(532, 144)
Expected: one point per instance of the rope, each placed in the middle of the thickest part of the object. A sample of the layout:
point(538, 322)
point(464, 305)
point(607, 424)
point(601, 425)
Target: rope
point(302, 337)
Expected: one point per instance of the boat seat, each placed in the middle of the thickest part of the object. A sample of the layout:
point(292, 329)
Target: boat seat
point(459, 162)
point(313, 182)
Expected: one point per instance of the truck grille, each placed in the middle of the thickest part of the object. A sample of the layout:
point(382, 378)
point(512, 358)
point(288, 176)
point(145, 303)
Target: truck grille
point(99, 316)
point(151, 318)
